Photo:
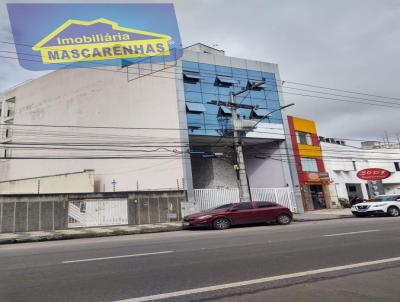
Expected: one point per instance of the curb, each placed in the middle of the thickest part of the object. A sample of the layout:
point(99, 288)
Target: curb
point(119, 232)
point(91, 234)
point(322, 219)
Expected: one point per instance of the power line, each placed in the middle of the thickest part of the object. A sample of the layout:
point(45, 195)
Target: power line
point(283, 80)
point(151, 129)
point(376, 102)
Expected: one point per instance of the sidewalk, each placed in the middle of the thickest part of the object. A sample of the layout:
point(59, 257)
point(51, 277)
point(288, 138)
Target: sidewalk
point(7, 238)
point(325, 214)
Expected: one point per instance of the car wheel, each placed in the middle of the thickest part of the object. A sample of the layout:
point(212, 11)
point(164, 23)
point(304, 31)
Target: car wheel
point(284, 219)
point(221, 224)
point(357, 215)
point(393, 212)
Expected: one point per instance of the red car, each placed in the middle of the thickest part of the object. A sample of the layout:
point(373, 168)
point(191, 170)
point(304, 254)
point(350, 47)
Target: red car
point(224, 216)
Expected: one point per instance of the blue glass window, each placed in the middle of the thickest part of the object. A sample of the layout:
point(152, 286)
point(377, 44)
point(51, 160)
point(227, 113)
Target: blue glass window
point(273, 105)
point(224, 97)
point(211, 111)
point(207, 82)
point(195, 107)
point(245, 112)
point(250, 83)
point(208, 68)
point(210, 97)
point(257, 94)
point(238, 72)
point(192, 87)
point(191, 77)
point(276, 117)
point(208, 88)
point(243, 99)
point(226, 81)
point(257, 75)
point(222, 90)
point(222, 70)
point(268, 76)
point(193, 97)
point(260, 103)
point(192, 66)
point(223, 110)
point(212, 132)
point(259, 113)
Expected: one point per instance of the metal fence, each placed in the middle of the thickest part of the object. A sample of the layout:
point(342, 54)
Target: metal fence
point(26, 216)
point(208, 198)
point(50, 212)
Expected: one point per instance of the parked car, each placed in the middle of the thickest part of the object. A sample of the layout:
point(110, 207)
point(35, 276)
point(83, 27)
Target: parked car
point(388, 205)
point(242, 213)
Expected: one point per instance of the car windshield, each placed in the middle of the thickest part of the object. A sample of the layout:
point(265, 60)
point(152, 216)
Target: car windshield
point(219, 208)
point(385, 198)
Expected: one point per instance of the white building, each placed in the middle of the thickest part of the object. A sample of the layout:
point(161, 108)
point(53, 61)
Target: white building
point(342, 162)
point(102, 98)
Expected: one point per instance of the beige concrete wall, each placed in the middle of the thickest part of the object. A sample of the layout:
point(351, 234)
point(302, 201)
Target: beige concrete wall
point(80, 182)
point(105, 98)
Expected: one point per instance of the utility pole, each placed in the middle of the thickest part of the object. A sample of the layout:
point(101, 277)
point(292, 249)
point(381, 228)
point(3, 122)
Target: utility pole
point(244, 191)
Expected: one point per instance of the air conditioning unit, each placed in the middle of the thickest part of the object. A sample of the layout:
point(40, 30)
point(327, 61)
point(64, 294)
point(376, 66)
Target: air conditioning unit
point(244, 125)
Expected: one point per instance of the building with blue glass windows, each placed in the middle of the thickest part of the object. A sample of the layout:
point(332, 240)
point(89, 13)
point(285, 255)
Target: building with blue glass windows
point(169, 126)
point(209, 75)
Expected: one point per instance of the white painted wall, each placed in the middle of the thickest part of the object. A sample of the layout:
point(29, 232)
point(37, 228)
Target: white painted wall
point(90, 97)
point(270, 172)
point(338, 162)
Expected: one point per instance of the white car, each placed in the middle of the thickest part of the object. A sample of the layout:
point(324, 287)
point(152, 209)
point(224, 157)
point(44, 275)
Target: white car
point(388, 205)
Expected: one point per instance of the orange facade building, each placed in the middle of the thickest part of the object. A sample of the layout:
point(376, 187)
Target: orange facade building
point(313, 179)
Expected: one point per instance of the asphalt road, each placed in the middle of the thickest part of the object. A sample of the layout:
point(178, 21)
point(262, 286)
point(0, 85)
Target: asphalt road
point(302, 261)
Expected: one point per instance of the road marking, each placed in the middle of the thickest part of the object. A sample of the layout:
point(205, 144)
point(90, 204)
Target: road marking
point(351, 233)
point(116, 257)
point(256, 281)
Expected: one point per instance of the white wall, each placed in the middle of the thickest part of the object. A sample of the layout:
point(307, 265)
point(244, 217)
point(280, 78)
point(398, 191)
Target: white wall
point(270, 172)
point(90, 97)
point(338, 162)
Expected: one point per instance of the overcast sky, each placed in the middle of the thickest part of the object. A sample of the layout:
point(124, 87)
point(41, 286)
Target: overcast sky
point(346, 44)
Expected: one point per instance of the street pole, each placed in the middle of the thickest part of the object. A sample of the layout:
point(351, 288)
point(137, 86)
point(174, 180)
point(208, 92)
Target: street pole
point(244, 193)
point(244, 189)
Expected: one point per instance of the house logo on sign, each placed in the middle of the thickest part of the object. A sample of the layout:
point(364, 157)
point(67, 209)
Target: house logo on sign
point(100, 39)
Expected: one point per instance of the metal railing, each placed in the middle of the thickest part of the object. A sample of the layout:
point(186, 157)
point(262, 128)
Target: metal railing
point(209, 198)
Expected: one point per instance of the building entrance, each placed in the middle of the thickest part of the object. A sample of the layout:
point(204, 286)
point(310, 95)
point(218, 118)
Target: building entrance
point(317, 197)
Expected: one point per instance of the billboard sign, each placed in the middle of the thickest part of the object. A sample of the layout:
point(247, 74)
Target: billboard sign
point(373, 174)
point(93, 35)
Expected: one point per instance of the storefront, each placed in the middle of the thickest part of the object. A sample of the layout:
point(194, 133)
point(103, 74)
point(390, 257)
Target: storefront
point(315, 191)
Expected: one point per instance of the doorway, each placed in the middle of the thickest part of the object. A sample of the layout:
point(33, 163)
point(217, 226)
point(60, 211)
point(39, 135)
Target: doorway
point(354, 191)
point(317, 197)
